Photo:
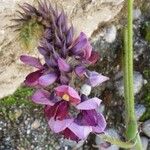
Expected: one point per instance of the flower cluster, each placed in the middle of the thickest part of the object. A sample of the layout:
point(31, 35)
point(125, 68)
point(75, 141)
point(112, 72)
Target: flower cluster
point(69, 110)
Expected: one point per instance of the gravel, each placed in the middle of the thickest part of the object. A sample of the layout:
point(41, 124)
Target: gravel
point(146, 128)
point(110, 34)
point(139, 110)
point(137, 14)
point(27, 130)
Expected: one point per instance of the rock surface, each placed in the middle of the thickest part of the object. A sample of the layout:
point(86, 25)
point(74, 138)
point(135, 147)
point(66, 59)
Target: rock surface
point(86, 15)
point(144, 142)
point(138, 83)
point(110, 34)
point(146, 128)
point(139, 111)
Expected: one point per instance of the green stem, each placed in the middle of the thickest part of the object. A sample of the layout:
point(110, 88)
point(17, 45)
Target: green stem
point(125, 77)
point(131, 122)
point(115, 141)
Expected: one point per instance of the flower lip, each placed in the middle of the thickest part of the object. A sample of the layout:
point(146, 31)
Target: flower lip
point(74, 97)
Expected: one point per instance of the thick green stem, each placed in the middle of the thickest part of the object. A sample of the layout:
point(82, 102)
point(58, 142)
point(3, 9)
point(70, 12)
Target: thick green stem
point(131, 122)
point(125, 76)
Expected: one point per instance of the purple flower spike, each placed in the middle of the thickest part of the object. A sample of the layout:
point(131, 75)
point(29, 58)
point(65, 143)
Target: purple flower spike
point(95, 79)
point(47, 79)
point(42, 97)
point(32, 61)
point(68, 112)
point(63, 65)
point(92, 103)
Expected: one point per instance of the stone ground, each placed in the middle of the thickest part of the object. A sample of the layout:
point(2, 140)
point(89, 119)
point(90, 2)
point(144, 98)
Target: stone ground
point(22, 124)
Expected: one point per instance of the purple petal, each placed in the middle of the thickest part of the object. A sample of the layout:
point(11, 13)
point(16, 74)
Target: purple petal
point(63, 65)
point(51, 61)
point(70, 135)
point(64, 79)
point(92, 103)
point(94, 57)
point(80, 70)
point(95, 79)
point(32, 78)
point(62, 21)
point(42, 51)
point(59, 125)
point(101, 124)
point(74, 97)
point(70, 35)
point(80, 131)
point(87, 51)
point(32, 61)
point(59, 111)
point(42, 97)
point(48, 33)
point(47, 79)
point(79, 44)
point(93, 119)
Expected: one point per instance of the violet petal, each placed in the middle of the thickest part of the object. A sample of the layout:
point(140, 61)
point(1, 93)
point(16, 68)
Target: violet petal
point(73, 95)
point(32, 78)
point(80, 131)
point(101, 124)
point(95, 79)
point(70, 135)
point(79, 44)
point(47, 79)
point(59, 125)
point(32, 61)
point(94, 57)
point(63, 65)
point(60, 110)
point(89, 104)
point(42, 97)
point(64, 79)
point(80, 70)
point(70, 35)
point(42, 51)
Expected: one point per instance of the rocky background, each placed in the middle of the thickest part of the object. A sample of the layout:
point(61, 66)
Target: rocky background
point(22, 124)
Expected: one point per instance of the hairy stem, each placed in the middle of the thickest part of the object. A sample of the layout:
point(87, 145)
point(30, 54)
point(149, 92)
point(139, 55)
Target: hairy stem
point(131, 122)
point(115, 141)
